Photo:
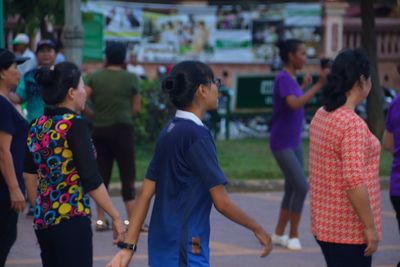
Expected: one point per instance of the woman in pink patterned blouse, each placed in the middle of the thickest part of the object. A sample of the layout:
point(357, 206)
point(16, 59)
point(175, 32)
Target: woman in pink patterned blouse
point(344, 168)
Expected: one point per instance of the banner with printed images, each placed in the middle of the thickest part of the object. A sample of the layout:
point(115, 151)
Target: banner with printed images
point(122, 21)
point(265, 35)
point(225, 33)
point(176, 36)
point(303, 21)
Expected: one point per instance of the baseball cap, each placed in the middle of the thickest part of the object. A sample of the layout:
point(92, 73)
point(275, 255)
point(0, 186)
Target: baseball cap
point(45, 43)
point(7, 57)
point(21, 38)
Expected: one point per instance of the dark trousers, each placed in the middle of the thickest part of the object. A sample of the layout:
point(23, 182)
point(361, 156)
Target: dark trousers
point(8, 230)
point(396, 205)
point(68, 244)
point(344, 255)
point(116, 142)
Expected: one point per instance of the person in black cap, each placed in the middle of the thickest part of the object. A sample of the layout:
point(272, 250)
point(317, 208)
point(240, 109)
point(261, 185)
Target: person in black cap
point(115, 96)
point(13, 132)
point(28, 91)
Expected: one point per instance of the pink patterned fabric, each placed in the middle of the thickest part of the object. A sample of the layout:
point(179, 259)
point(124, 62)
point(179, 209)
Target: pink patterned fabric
point(344, 155)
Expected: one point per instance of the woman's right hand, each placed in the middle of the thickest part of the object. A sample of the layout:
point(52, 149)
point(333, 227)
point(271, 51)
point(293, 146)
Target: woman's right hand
point(121, 259)
point(322, 76)
point(118, 230)
point(17, 199)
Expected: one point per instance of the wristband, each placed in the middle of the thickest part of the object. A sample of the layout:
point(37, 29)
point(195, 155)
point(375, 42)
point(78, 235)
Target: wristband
point(123, 245)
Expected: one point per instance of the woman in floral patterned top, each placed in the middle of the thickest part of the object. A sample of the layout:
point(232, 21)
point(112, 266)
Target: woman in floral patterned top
point(344, 168)
point(62, 171)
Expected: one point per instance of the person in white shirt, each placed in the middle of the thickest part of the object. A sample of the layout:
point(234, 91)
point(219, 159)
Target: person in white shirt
point(21, 48)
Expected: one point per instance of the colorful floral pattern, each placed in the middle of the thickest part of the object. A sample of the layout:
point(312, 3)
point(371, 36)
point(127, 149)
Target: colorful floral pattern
point(59, 194)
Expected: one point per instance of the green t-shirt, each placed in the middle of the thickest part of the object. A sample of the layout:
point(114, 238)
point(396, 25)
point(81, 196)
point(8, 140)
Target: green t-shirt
point(112, 92)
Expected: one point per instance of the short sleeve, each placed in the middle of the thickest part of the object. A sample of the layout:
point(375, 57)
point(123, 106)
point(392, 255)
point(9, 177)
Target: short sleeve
point(150, 173)
point(21, 89)
point(286, 86)
point(389, 125)
point(353, 146)
point(202, 158)
point(84, 155)
point(7, 123)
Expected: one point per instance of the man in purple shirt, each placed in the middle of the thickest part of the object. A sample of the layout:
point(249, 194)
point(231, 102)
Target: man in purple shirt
point(391, 142)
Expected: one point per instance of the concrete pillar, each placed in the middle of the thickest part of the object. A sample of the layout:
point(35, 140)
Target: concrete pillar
point(73, 32)
point(334, 20)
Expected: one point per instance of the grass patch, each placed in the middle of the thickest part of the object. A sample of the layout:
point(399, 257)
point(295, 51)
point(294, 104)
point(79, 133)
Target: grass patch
point(240, 159)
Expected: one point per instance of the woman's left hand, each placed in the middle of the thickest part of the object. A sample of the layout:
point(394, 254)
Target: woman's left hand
point(372, 237)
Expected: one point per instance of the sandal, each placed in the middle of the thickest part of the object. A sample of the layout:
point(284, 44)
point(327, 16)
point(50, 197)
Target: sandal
point(102, 225)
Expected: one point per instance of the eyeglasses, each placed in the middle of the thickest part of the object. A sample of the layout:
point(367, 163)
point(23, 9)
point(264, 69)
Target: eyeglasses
point(217, 82)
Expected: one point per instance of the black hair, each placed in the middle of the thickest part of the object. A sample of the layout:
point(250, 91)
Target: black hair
point(56, 82)
point(115, 53)
point(6, 65)
point(184, 79)
point(346, 70)
point(288, 46)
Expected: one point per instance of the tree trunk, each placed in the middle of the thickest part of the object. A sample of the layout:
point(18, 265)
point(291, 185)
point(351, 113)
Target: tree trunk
point(375, 117)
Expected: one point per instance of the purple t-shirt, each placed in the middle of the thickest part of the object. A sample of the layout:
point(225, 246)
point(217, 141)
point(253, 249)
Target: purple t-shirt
point(287, 123)
point(392, 124)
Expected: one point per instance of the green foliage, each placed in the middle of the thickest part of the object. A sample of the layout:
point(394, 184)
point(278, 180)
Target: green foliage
point(32, 13)
point(156, 110)
point(241, 160)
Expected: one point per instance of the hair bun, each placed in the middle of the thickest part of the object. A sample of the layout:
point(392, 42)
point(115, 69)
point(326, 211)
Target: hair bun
point(167, 84)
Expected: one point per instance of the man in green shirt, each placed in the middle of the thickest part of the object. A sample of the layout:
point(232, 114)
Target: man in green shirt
point(114, 94)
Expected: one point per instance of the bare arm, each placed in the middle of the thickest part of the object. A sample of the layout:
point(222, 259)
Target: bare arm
point(136, 105)
point(102, 199)
point(31, 183)
point(298, 102)
point(229, 209)
point(360, 201)
point(123, 257)
point(8, 172)
point(387, 141)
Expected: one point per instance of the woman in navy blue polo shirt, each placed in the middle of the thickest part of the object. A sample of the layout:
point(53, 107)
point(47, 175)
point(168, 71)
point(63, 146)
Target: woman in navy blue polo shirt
point(13, 130)
point(186, 179)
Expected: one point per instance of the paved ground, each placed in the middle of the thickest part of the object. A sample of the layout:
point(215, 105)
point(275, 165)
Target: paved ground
point(231, 244)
